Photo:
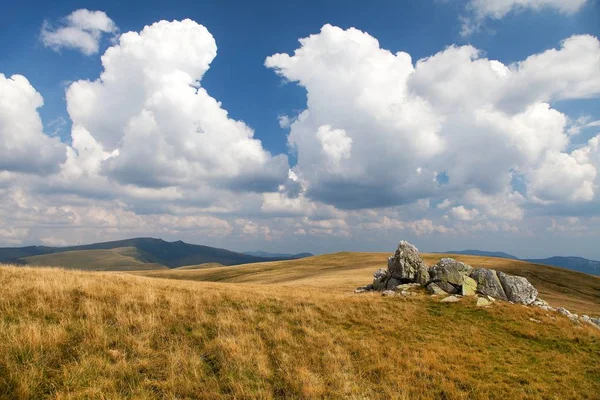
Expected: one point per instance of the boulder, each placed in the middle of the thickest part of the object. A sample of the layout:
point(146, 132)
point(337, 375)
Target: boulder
point(434, 289)
point(406, 264)
point(448, 287)
point(380, 278)
point(517, 288)
point(488, 283)
point(450, 299)
point(482, 302)
point(451, 271)
point(469, 287)
point(380, 273)
point(392, 283)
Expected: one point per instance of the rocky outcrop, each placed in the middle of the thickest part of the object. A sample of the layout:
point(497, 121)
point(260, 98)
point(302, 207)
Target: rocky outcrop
point(517, 288)
point(451, 280)
point(448, 276)
point(406, 264)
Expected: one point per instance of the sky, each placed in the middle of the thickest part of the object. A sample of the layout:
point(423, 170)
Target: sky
point(304, 126)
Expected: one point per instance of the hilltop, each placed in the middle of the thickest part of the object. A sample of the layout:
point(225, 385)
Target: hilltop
point(294, 329)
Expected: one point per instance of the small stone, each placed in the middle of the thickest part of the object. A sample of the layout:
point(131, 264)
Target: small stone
point(540, 302)
point(537, 321)
point(586, 318)
point(482, 302)
point(450, 299)
point(563, 311)
point(388, 293)
point(469, 286)
point(490, 298)
point(359, 290)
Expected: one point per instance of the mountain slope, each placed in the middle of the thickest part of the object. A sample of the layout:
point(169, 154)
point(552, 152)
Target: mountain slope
point(575, 263)
point(119, 259)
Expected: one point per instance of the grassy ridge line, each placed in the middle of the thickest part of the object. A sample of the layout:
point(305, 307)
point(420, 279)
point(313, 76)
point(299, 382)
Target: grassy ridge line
point(573, 290)
point(119, 259)
point(73, 334)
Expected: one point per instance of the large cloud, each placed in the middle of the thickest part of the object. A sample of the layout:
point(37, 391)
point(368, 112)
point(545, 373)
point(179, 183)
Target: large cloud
point(449, 123)
point(81, 30)
point(151, 124)
point(23, 145)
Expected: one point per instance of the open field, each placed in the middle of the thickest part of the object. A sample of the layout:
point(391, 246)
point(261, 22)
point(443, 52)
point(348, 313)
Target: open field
point(119, 259)
point(285, 330)
point(575, 291)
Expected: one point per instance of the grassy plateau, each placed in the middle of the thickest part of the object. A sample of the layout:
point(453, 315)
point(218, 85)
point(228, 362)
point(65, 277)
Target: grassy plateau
point(289, 329)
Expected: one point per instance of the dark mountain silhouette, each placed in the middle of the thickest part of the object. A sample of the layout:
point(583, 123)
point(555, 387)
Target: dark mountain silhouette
point(150, 250)
point(575, 263)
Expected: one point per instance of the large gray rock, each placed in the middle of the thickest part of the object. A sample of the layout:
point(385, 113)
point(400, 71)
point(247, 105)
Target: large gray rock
point(392, 283)
point(380, 279)
point(450, 274)
point(488, 283)
point(407, 265)
point(517, 288)
point(434, 290)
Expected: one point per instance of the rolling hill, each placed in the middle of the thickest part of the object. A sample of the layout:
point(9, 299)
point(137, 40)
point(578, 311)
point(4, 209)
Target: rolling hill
point(118, 259)
point(288, 329)
point(147, 250)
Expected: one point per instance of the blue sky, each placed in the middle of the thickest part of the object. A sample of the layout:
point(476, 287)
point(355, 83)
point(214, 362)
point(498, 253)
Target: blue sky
point(336, 192)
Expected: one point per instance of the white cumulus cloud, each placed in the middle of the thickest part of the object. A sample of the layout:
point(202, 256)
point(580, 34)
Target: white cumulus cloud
point(23, 145)
point(81, 30)
point(478, 120)
point(148, 122)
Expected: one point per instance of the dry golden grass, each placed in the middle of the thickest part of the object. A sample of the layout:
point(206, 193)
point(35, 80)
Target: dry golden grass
point(575, 291)
point(73, 334)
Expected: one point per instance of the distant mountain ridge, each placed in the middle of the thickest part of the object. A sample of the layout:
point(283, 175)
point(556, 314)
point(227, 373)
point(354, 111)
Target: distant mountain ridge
point(148, 250)
point(575, 263)
point(277, 255)
point(580, 264)
point(484, 253)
